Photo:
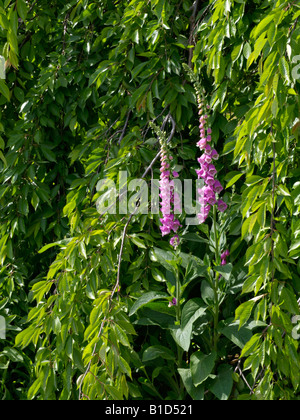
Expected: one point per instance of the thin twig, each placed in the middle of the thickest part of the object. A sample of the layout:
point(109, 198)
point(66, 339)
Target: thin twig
point(125, 127)
point(192, 29)
point(156, 118)
point(243, 376)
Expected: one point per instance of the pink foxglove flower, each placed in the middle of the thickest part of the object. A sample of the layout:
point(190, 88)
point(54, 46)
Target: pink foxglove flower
point(224, 257)
point(222, 206)
point(170, 200)
point(173, 302)
point(208, 194)
point(174, 241)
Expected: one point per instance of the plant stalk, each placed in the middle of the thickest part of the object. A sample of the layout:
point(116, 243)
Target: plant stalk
point(216, 283)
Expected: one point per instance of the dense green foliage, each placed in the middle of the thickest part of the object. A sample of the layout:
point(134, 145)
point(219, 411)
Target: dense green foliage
point(85, 296)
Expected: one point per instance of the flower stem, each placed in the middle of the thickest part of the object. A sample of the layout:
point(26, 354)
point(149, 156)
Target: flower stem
point(178, 322)
point(178, 309)
point(216, 283)
point(216, 236)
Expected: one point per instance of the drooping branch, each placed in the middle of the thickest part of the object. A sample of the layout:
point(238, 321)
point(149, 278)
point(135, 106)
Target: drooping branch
point(273, 200)
point(117, 284)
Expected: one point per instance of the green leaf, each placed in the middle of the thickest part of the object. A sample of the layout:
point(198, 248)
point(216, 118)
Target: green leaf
point(19, 94)
point(4, 90)
point(222, 385)
point(136, 36)
point(182, 336)
point(2, 157)
point(289, 301)
point(259, 45)
point(157, 275)
point(95, 76)
point(34, 389)
point(263, 26)
point(4, 22)
point(233, 177)
point(2, 68)
point(46, 247)
point(22, 9)
point(82, 249)
point(121, 336)
point(284, 69)
point(237, 51)
point(136, 70)
point(247, 50)
point(239, 336)
point(283, 190)
point(243, 312)
point(47, 152)
point(124, 366)
point(115, 393)
point(192, 310)
point(138, 242)
point(150, 103)
point(158, 351)
point(202, 366)
point(251, 346)
point(13, 41)
point(197, 393)
point(145, 299)
point(225, 271)
point(77, 359)
point(13, 355)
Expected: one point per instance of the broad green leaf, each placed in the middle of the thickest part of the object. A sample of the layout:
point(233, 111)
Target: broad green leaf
point(157, 275)
point(197, 393)
point(157, 351)
point(222, 384)
point(225, 271)
point(239, 336)
point(146, 298)
point(182, 336)
point(191, 311)
point(202, 366)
